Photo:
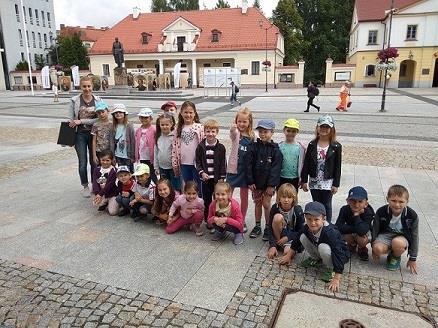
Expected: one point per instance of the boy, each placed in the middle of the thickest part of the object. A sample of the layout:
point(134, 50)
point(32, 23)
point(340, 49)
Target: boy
point(124, 188)
point(354, 221)
point(263, 166)
point(210, 163)
point(169, 107)
point(102, 132)
point(395, 230)
point(323, 242)
point(144, 192)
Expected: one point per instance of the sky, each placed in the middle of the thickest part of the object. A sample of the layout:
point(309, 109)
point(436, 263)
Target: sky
point(101, 13)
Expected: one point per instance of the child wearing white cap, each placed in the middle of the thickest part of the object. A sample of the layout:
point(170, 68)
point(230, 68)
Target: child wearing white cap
point(124, 137)
point(145, 141)
point(144, 192)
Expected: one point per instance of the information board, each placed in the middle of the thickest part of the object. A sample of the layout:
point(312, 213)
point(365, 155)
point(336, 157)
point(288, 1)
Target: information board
point(221, 77)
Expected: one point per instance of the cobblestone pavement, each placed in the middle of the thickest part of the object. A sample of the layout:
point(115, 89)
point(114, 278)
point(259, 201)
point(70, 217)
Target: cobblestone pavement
point(31, 297)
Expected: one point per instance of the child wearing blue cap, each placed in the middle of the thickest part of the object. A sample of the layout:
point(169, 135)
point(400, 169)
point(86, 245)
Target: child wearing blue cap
point(354, 221)
point(102, 132)
point(263, 167)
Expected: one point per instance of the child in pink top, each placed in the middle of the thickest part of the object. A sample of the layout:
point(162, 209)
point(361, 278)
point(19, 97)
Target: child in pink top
point(187, 209)
point(224, 214)
point(145, 141)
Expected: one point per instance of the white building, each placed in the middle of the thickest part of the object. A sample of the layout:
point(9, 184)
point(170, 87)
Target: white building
point(39, 19)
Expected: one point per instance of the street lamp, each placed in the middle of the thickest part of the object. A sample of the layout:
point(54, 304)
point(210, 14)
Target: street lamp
point(266, 52)
point(391, 12)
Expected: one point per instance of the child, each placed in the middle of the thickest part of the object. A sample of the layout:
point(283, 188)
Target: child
point(189, 133)
point(354, 221)
point(322, 163)
point(102, 132)
point(163, 149)
point(104, 183)
point(144, 192)
point(210, 163)
point(224, 214)
point(323, 242)
point(124, 148)
point(241, 136)
point(55, 93)
point(145, 141)
point(263, 166)
point(234, 92)
point(169, 107)
point(190, 210)
point(124, 188)
point(395, 230)
point(293, 154)
point(164, 199)
point(285, 222)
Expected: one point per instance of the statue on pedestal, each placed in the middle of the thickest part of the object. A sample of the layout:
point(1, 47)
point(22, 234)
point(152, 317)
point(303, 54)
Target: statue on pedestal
point(118, 52)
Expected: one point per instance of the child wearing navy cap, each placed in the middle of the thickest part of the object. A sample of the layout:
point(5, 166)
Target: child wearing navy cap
point(354, 221)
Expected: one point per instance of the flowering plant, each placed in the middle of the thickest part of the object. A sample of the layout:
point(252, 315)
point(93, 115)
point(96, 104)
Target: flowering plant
point(267, 63)
point(391, 65)
point(388, 53)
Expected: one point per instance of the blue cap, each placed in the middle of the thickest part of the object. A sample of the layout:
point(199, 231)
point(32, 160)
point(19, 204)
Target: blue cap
point(145, 112)
point(357, 193)
point(326, 120)
point(266, 124)
point(101, 105)
point(315, 209)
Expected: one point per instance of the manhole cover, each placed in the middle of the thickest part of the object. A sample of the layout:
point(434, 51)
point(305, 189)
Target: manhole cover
point(350, 323)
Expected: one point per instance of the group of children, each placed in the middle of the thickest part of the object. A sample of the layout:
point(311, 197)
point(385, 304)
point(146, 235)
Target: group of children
point(183, 178)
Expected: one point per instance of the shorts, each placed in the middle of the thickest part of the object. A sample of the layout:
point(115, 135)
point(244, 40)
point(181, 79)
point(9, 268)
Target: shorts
point(386, 238)
point(257, 195)
point(368, 234)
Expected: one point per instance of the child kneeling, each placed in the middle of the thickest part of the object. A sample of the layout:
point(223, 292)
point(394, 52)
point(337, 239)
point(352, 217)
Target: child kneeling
point(104, 184)
point(144, 192)
point(224, 214)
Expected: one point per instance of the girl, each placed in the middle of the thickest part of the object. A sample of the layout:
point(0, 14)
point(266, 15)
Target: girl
point(145, 141)
point(285, 222)
point(344, 97)
point(242, 136)
point(224, 214)
point(163, 149)
point(189, 133)
point(124, 137)
point(104, 183)
point(163, 200)
point(190, 209)
point(323, 164)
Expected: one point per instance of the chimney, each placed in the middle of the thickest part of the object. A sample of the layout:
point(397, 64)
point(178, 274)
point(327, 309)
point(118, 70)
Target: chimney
point(62, 26)
point(135, 12)
point(244, 6)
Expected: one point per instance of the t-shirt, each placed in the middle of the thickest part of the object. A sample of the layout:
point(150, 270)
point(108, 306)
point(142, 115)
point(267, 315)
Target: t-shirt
point(121, 144)
point(291, 155)
point(86, 111)
point(288, 216)
point(144, 148)
point(147, 192)
point(319, 182)
point(395, 224)
point(189, 142)
point(102, 131)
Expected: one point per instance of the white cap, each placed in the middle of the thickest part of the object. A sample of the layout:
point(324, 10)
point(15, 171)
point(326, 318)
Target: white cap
point(121, 108)
point(145, 112)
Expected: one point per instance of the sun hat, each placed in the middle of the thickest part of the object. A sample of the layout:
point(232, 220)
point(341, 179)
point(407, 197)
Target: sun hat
point(315, 209)
point(292, 124)
point(119, 108)
point(266, 124)
point(145, 112)
point(326, 120)
point(100, 106)
point(142, 169)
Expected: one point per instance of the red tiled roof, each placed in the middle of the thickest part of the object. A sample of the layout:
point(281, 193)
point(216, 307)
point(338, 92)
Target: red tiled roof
point(87, 33)
point(238, 31)
point(374, 10)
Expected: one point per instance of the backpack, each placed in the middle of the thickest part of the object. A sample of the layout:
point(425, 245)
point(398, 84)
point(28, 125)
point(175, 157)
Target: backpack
point(236, 89)
point(316, 91)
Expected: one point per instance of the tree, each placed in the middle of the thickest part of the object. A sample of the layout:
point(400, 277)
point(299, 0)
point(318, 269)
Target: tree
point(285, 16)
point(22, 66)
point(71, 52)
point(183, 5)
point(222, 4)
point(256, 4)
point(159, 6)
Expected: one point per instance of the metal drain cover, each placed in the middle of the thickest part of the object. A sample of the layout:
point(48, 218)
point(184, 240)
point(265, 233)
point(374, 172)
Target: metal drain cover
point(350, 323)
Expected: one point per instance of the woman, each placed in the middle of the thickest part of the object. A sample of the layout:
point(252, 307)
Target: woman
point(312, 92)
point(344, 95)
point(82, 117)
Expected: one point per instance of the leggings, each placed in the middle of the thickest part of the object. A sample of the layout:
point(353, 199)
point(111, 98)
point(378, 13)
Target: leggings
point(180, 222)
point(325, 198)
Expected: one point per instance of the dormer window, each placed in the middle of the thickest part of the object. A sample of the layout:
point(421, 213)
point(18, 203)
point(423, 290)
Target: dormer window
point(145, 37)
point(215, 35)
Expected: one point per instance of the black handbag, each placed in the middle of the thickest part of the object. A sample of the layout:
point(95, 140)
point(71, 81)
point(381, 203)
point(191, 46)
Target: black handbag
point(67, 135)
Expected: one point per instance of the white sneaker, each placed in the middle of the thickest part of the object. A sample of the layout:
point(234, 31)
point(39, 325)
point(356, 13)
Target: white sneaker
point(86, 192)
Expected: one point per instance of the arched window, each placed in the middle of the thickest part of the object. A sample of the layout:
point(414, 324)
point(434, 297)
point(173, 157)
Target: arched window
point(370, 70)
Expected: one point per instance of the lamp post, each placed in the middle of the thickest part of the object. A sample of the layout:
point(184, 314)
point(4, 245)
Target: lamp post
point(391, 12)
point(266, 52)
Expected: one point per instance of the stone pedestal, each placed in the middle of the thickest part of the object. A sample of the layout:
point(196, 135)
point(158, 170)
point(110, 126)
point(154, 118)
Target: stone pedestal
point(120, 76)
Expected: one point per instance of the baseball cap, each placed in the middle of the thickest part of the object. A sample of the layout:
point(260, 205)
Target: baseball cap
point(123, 168)
point(292, 124)
point(145, 112)
point(101, 105)
point(357, 193)
point(119, 108)
point(314, 208)
point(168, 104)
point(142, 169)
point(326, 120)
point(266, 124)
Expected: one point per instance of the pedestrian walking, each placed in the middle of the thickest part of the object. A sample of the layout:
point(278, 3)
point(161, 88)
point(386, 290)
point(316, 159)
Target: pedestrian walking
point(312, 92)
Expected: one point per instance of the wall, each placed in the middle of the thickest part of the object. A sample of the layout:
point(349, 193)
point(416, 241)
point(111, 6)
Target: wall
point(2, 75)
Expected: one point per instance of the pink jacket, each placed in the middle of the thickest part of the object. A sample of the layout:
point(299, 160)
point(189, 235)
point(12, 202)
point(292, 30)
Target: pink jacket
point(186, 208)
point(234, 152)
point(149, 144)
point(176, 146)
point(236, 218)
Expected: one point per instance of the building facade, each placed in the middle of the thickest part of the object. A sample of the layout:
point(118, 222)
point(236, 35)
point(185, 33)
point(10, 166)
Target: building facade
point(414, 32)
point(88, 34)
point(234, 37)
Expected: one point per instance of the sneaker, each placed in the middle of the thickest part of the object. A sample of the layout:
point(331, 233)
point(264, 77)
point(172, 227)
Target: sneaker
point(362, 252)
point(328, 275)
point(198, 230)
point(210, 229)
point(218, 236)
point(265, 236)
point(393, 262)
point(255, 232)
point(238, 239)
point(245, 228)
point(123, 212)
point(134, 214)
point(310, 263)
point(102, 207)
point(86, 192)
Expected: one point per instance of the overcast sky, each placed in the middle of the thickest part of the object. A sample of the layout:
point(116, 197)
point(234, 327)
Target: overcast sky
point(106, 13)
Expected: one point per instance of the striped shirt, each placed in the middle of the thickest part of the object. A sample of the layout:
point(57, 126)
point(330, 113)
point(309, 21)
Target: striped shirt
point(209, 155)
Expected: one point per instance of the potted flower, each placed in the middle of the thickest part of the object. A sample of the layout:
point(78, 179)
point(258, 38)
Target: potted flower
point(387, 59)
point(267, 63)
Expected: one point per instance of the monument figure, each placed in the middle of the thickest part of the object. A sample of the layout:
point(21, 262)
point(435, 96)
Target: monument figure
point(118, 52)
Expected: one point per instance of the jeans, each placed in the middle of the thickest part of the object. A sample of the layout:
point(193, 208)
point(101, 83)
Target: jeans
point(316, 252)
point(189, 173)
point(170, 175)
point(207, 195)
point(124, 202)
point(325, 198)
point(83, 141)
point(233, 98)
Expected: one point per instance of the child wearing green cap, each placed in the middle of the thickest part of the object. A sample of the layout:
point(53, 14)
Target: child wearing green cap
point(102, 132)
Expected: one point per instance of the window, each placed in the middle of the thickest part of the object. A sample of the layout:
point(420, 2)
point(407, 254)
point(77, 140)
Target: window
point(40, 43)
point(25, 15)
point(30, 16)
point(372, 37)
point(33, 40)
point(48, 19)
point(22, 56)
point(287, 77)
point(106, 69)
point(20, 37)
point(215, 37)
point(27, 37)
point(370, 70)
point(226, 64)
point(145, 37)
point(18, 79)
point(180, 40)
point(411, 33)
point(47, 58)
point(45, 40)
point(37, 20)
point(17, 13)
point(244, 71)
point(207, 65)
point(255, 68)
point(34, 79)
point(43, 18)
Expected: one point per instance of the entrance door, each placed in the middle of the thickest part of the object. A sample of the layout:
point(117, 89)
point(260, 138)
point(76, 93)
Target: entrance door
point(407, 74)
point(180, 40)
point(435, 74)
